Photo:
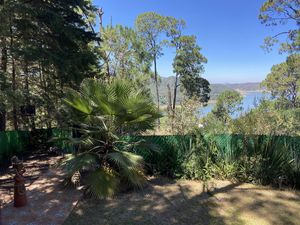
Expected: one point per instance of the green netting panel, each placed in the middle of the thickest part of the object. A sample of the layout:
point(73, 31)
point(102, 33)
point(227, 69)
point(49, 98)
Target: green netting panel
point(231, 147)
point(12, 143)
point(19, 142)
point(165, 153)
point(162, 153)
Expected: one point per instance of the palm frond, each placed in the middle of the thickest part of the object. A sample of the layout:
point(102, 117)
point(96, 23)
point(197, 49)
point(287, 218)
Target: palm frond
point(130, 167)
point(82, 162)
point(103, 183)
point(75, 100)
point(101, 112)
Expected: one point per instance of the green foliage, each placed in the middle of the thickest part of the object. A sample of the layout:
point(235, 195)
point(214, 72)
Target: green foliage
point(184, 120)
point(284, 82)
point(259, 159)
point(275, 161)
point(101, 113)
point(151, 26)
point(188, 65)
point(102, 182)
point(162, 154)
point(44, 46)
point(219, 121)
point(198, 159)
point(228, 103)
point(127, 55)
point(282, 12)
point(267, 119)
point(214, 125)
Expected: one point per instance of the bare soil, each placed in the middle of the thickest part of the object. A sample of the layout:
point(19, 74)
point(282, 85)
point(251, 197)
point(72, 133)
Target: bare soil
point(35, 166)
point(183, 202)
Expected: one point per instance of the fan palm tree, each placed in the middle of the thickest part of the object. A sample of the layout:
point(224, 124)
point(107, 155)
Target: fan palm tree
point(103, 113)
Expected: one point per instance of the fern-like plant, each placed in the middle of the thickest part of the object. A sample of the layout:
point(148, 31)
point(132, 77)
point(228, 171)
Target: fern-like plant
point(102, 113)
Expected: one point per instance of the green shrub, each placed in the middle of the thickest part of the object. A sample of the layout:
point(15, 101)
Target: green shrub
point(257, 159)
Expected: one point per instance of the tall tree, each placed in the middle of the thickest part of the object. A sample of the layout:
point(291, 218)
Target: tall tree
point(152, 26)
point(188, 65)
point(47, 45)
point(3, 70)
point(174, 32)
point(284, 82)
point(127, 53)
point(281, 12)
point(4, 88)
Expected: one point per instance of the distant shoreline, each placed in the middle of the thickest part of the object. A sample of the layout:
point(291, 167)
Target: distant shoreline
point(213, 101)
point(244, 93)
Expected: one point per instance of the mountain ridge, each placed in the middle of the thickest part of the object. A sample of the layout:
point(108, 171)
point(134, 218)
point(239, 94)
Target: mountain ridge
point(216, 88)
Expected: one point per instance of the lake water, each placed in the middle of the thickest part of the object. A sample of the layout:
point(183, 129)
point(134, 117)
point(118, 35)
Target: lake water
point(250, 101)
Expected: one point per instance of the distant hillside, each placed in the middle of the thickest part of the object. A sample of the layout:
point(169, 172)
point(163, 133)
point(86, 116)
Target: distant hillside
point(243, 88)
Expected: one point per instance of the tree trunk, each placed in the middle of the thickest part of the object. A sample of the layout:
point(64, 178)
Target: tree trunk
point(294, 94)
point(4, 70)
point(174, 100)
point(170, 108)
point(14, 88)
point(2, 120)
point(175, 92)
point(28, 102)
point(156, 86)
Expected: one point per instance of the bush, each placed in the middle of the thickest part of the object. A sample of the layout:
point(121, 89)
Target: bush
point(257, 159)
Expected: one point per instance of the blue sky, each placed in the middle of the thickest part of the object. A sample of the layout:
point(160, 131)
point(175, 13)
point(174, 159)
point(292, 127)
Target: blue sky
point(229, 33)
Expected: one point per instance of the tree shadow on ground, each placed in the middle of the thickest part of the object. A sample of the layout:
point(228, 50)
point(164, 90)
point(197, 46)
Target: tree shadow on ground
point(49, 202)
point(162, 202)
point(167, 202)
point(35, 165)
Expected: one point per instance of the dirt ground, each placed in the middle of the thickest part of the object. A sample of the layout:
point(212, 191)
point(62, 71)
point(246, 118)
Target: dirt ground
point(165, 202)
point(35, 166)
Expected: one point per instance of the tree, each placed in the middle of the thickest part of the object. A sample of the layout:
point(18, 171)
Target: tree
point(284, 82)
point(228, 103)
point(3, 71)
point(44, 47)
point(102, 112)
point(174, 32)
point(151, 26)
point(281, 12)
point(4, 96)
point(186, 119)
point(267, 119)
point(127, 55)
point(188, 66)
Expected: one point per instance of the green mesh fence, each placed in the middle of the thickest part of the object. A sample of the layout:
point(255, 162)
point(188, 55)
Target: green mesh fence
point(162, 154)
point(21, 142)
point(233, 146)
point(12, 143)
point(165, 152)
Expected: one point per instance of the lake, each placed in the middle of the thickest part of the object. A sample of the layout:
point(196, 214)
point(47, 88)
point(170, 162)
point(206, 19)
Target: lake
point(250, 101)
